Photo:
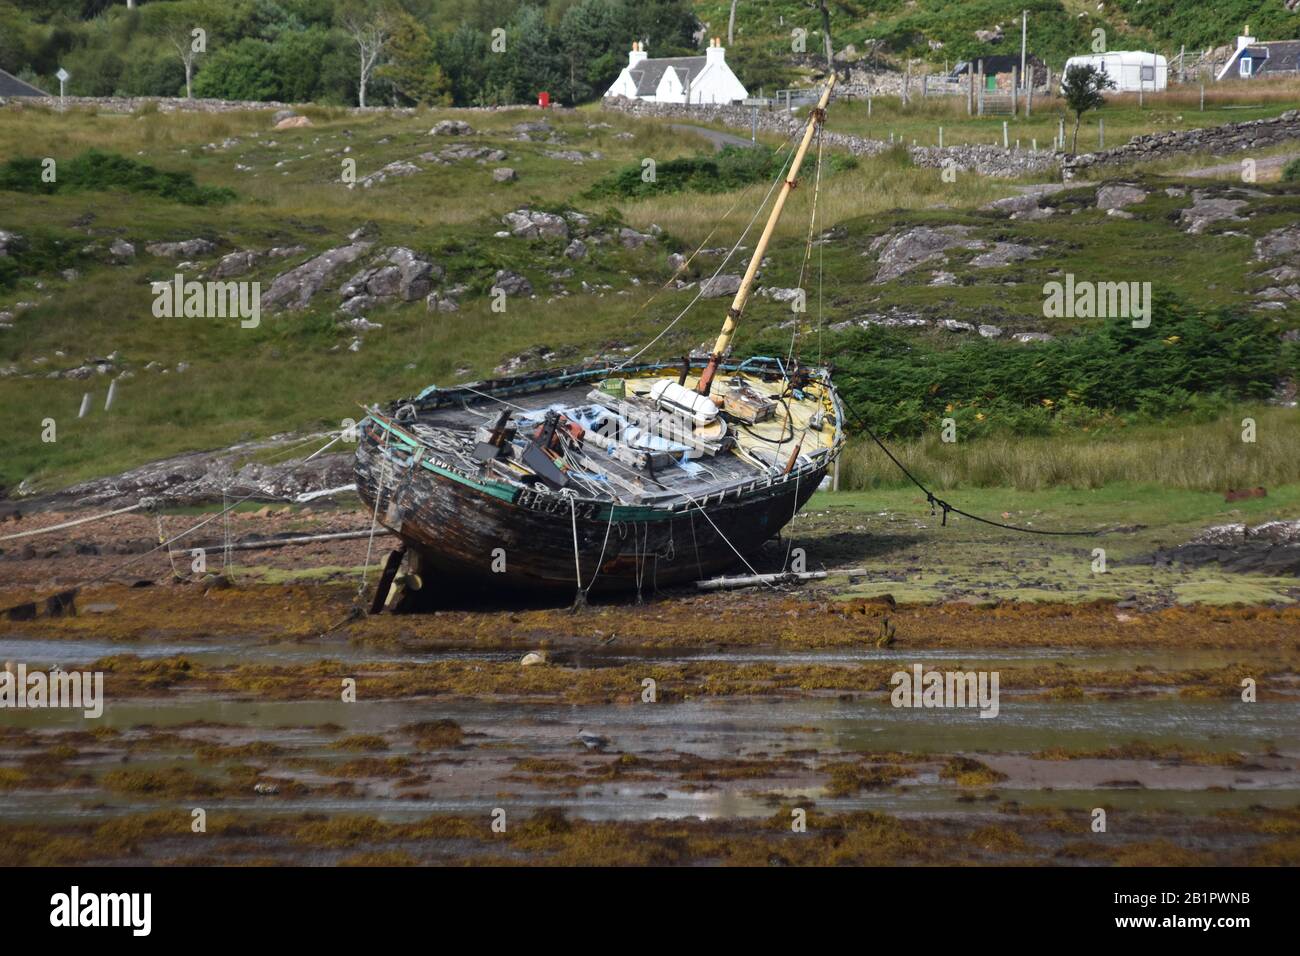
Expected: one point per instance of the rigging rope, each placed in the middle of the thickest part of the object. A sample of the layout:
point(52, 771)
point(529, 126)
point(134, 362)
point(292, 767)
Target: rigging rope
point(807, 252)
point(700, 291)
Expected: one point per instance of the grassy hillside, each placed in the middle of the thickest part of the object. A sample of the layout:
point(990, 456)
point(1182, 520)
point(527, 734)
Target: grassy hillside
point(202, 383)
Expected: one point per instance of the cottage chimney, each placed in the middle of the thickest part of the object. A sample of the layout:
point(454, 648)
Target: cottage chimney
point(1245, 39)
point(637, 54)
point(716, 53)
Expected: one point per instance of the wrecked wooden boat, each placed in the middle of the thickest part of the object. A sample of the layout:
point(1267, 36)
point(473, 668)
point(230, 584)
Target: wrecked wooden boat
point(599, 477)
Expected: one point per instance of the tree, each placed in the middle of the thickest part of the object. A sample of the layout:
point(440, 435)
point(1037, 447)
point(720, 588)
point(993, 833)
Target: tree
point(1082, 88)
point(411, 67)
point(182, 35)
point(369, 29)
point(826, 33)
point(731, 25)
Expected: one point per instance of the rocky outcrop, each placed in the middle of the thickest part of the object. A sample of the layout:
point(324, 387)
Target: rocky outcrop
point(234, 264)
point(899, 253)
point(1118, 195)
point(720, 285)
point(121, 250)
point(512, 284)
point(1207, 209)
point(534, 224)
point(1004, 253)
point(394, 170)
point(206, 476)
point(294, 289)
point(461, 151)
point(10, 242)
point(451, 128)
point(398, 274)
point(187, 249)
point(1215, 140)
point(1283, 243)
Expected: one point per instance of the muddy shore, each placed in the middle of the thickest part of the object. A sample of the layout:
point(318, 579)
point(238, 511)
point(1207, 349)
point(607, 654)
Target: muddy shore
point(689, 728)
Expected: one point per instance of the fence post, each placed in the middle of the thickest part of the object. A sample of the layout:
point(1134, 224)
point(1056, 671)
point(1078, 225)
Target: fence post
point(1101, 132)
point(1004, 134)
point(941, 137)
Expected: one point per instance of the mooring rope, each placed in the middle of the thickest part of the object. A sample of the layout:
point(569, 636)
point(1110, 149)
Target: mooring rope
point(934, 501)
point(135, 559)
point(146, 503)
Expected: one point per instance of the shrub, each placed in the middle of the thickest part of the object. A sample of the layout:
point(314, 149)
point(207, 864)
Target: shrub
point(94, 170)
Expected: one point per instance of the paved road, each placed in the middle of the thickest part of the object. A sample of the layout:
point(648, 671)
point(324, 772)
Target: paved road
point(718, 138)
point(1263, 164)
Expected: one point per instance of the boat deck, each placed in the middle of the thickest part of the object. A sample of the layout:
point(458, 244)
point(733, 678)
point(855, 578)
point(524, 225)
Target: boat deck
point(631, 452)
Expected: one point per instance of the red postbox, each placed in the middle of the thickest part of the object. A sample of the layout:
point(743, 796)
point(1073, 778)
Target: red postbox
point(544, 99)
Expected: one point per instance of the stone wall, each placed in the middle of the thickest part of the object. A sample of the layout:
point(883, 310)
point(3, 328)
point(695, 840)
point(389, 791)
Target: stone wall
point(985, 160)
point(165, 104)
point(1216, 140)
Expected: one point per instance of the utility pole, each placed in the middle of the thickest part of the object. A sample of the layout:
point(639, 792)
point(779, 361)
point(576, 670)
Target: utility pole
point(1024, 33)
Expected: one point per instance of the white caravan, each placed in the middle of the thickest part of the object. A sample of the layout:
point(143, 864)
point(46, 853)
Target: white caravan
point(1131, 70)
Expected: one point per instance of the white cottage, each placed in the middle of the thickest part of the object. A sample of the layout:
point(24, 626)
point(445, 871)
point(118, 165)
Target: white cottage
point(700, 80)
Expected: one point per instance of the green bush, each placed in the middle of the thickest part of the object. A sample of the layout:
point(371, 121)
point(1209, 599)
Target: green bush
point(1291, 172)
point(95, 170)
point(1186, 362)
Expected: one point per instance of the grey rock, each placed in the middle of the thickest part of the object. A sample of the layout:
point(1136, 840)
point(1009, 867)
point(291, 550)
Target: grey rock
point(465, 151)
point(394, 170)
point(1014, 204)
point(234, 264)
point(511, 283)
point(633, 239)
point(576, 249)
point(121, 250)
point(720, 285)
point(10, 242)
point(188, 248)
point(1283, 243)
point(294, 289)
point(441, 302)
point(1206, 210)
point(451, 127)
point(1003, 253)
point(504, 174)
point(1119, 195)
point(534, 224)
point(899, 253)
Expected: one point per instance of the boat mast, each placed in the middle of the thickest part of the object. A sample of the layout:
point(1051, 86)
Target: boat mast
point(720, 347)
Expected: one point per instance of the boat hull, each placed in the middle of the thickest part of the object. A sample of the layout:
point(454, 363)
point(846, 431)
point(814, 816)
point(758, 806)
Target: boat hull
point(465, 535)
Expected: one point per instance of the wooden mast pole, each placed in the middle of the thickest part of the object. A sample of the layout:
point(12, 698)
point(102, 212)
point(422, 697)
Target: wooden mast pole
point(742, 294)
